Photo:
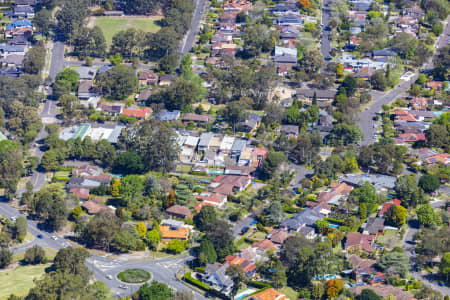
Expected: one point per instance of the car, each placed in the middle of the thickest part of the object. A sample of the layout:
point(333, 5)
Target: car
point(109, 277)
point(54, 237)
point(40, 236)
point(367, 108)
point(254, 222)
point(328, 57)
point(440, 283)
point(374, 125)
point(13, 218)
point(123, 286)
point(244, 229)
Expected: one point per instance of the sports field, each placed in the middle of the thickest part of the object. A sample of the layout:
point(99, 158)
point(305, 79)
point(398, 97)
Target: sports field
point(19, 280)
point(111, 25)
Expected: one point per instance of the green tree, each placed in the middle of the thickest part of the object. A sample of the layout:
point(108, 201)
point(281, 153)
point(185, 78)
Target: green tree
point(50, 160)
point(34, 60)
point(71, 17)
point(130, 187)
point(429, 183)
point(394, 261)
point(368, 294)
point(207, 254)
point(378, 80)
point(426, 215)
point(219, 234)
point(155, 291)
point(206, 216)
point(61, 87)
point(21, 228)
point(271, 164)
point(175, 246)
point(153, 237)
point(396, 215)
point(444, 266)
point(71, 261)
point(141, 228)
point(5, 257)
point(43, 20)
point(237, 274)
point(407, 190)
point(322, 226)
point(35, 255)
point(312, 61)
point(125, 241)
point(118, 82)
point(129, 163)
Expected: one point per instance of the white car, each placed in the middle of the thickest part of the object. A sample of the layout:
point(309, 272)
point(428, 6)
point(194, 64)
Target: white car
point(123, 286)
point(13, 219)
point(54, 237)
point(109, 277)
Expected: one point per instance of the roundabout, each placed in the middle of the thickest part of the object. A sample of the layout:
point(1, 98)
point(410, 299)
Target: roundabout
point(134, 276)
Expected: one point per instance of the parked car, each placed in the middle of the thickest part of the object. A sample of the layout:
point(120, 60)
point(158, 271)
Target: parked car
point(54, 237)
point(109, 277)
point(40, 236)
point(123, 286)
point(244, 229)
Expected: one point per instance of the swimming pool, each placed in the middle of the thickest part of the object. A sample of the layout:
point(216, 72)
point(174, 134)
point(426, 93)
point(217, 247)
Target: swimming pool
point(335, 226)
point(244, 294)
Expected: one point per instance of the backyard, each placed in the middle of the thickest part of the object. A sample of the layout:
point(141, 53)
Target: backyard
point(112, 25)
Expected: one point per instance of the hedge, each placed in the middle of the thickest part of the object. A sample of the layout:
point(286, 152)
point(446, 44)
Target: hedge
point(65, 179)
point(200, 269)
point(259, 284)
point(189, 279)
point(338, 221)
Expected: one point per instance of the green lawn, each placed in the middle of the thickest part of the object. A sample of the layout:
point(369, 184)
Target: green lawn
point(19, 280)
point(134, 276)
point(289, 292)
point(389, 239)
point(111, 25)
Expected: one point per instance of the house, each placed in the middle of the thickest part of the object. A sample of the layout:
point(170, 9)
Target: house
point(216, 277)
point(94, 208)
point(324, 97)
point(79, 182)
point(278, 236)
point(307, 217)
point(80, 193)
point(369, 275)
point(179, 211)
point(419, 103)
point(384, 291)
point(87, 170)
point(87, 90)
point(226, 145)
point(435, 85)
point(25, 2)
point(8, 49)
point(13, 60)
point(282, 9)
point(383, 53)
point(147, 78)
point(196, 118)
point(10, 72)
point(288, 20)
point(374, 226)
point(226, 184)
point(172, 232)
point(325, 122)
point(308, 232)
point(205, 141)
point(112, 109)
point(26, 12)
point(228, 17)
point(86, 73)
point(359, 241)
point(258, 156)
point(215, 199)
point(237, 5)
point(291, 131)
point(248, 267)
point(19, 23)
point(413, 11)
point(410, 137)
point(263, 246)
point(107, 131)
point(167, 116)
point(166, 79)
point(113, 13)
point(443, 158)
point(143, 95)
point(268, 294)
point(139, 113)
point(385, 207)
point(423, 153)
point(104, 69)
point(238, 147)
point(380, 182)
point(289, 33)
point(279, 51)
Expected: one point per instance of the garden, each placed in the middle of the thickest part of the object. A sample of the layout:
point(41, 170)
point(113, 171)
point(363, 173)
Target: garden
point(134, 276)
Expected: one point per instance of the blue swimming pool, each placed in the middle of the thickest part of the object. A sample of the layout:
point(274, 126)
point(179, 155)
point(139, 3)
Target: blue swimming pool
point(335, 226)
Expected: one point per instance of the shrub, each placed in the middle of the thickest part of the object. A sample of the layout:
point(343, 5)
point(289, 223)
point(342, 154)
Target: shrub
point(259, 284)
point(200, 269)
point(134, 276)
point(188, 278)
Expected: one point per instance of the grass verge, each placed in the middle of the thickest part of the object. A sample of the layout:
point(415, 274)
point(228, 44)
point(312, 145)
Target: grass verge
point(134, 276)
point(20, 280)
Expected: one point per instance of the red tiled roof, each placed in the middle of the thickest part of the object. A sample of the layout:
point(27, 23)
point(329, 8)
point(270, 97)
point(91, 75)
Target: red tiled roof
point(265, 245)
point(357, 240)
point(179, 210)
point(386, 206)
point(412, 137)
point(81, 193)
point(140, 113)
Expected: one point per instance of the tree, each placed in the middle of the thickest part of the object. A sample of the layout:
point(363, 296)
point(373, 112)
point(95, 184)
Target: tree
point(317, 291)
point(99, 290)
point(206, 216)
point(219, 234)
point(394, 262)
point(5, 257)
point(71, 17)
point(100, 231)
point(257, 39)
point(175, 246)
point(312, 61)
point(34, 60)
point(234, 113)
point(118, 82)
point(396, 215)
point(61, 87)
point(273, 213)
point(141, 7)
point(129, 163)
point(153, 237)
point(115, 188)
point(207, 254)
point(155, 291)
point(130, 187)
point(363, 210)
point(407, 190)
point(345, 134)
point(429, 183)
point(322, 226)
point(21, 228)
point(90, 42)
point(154, 142)
point(141, 228)
point(304, 4)
point(50, 160)
point(125, 241)
point(50, 205)
point(378, 80)
point(69, 104)
point(170, 199)
point(54, 285)
point(426, 215)
point(35, 255)
point(334, 287)
point(349, 83)
point(43, 20)
point(71, 261)
point(271, 164)
point(444, 266)
point(237, 274)
point(368, 294)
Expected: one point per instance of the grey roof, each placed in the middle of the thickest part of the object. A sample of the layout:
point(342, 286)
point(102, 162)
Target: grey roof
point(306, 218)
point(378, 181)
point(383, 52)
point(309, 93)
point(165, 115)
point(114, 136)
point(289, 129)
point(12, 48)
point(285, 59)
point(374, 225)
point(25, 2)
point(238, 145)
point(306, 230)
point(219, 277)
point(103, 69)
point(205, 139)
point(23, 10)
point(15, 59)
point(86, 72)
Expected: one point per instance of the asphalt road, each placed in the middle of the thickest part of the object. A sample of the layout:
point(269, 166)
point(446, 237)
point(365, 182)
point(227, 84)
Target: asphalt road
point(57, 62)
point(365, 118)
point(189, 39)
point(326, 18)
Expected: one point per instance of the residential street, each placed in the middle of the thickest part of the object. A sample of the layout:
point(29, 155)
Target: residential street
point(380, 98)
point(326, 17)
point(57, 62)
point(408, 246)
point(190, 35)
